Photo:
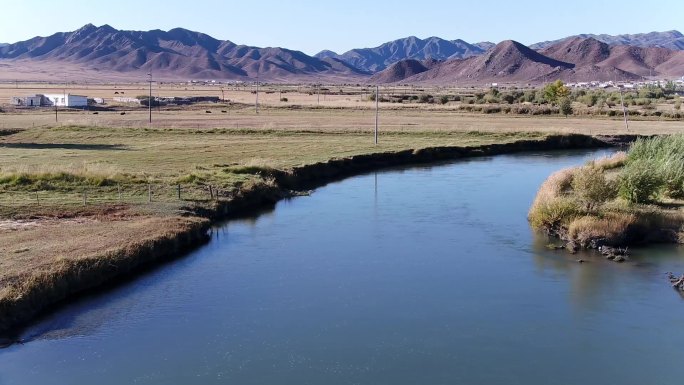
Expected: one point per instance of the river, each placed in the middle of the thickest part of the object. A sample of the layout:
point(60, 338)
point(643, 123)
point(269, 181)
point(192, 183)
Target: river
point(421, 275)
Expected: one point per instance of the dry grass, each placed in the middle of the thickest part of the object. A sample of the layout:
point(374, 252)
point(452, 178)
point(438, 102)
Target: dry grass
point(581, 206)
point(37, 266)
point(29, 247)
point(554, 187)
point(610, 162)
point(612, 226)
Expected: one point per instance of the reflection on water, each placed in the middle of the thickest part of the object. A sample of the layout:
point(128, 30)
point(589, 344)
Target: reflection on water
point(425, 274)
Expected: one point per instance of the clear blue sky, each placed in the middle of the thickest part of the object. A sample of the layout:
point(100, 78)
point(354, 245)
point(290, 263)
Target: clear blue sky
point(311, 26)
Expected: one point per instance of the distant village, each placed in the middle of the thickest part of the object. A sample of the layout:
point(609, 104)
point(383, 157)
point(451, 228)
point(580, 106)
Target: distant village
point(81, 101)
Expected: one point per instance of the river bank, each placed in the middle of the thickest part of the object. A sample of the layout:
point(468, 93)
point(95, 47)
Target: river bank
point(22, 299)
point(628, 199)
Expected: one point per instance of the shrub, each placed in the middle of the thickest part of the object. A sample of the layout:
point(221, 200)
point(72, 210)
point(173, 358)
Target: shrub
point(611, 162)
point(491, 109)
point(611, 227)
point(444, 99)
point(491, 99)
point(639, 183)
point(425, 98)
point(591, 186)
point(554, 212)
point(283, 99)
point(549, 205)
point(565, 106)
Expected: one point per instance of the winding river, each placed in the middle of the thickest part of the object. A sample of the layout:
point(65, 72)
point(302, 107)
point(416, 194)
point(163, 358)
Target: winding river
point(422, 275)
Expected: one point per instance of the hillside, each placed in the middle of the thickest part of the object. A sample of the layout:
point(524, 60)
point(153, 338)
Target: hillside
point(378, 58)
point(673, 40)
point(175, 53)
point(402, 70)
point(632, 60)
point(105, 53)
point(508, 61)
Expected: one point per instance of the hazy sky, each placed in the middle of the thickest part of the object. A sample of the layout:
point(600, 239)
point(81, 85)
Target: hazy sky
point(311, 26)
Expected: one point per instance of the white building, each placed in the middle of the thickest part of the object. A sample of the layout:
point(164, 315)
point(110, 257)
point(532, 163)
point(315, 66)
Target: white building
point(66, 100)
point(27, 101)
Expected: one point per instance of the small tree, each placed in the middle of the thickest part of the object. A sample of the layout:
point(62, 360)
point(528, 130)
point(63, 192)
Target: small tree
point(638, 183)
point(555, 91)
point(425, 98)
point(565, 106)
point(591, 186)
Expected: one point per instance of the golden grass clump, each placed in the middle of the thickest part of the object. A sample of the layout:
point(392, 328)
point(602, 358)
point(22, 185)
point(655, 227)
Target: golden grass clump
point(552, 206)
point(611, 226)
point(610, 162)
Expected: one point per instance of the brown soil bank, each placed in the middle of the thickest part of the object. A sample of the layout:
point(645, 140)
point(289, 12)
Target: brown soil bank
point(46, 261)
point(82, 256)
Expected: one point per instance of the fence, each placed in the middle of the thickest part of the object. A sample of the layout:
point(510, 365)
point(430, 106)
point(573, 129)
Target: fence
point(130, 194)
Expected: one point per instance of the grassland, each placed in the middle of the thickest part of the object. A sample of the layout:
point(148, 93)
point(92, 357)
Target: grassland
point(48, 168)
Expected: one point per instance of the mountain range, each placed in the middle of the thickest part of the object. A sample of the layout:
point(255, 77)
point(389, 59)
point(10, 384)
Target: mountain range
point(178, 53)
point(668, 39)
point(378, 58)
point(104, 52)
point(572, 60)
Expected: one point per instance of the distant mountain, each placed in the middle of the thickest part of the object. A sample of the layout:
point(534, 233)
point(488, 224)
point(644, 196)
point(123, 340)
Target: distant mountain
point(402, 70)
point(105, 52)
point(326, 54)
point(3, 44)
point(175, 53)
point(484, 45)
point(508, 61)
point(635, 60)
point(673, 40)
point(574, 60)
point(378, 58)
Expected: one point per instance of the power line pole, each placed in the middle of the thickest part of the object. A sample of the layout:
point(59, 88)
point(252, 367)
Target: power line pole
point(624, 109)
point(377, 111)
point(149, 100)
point(256, 102)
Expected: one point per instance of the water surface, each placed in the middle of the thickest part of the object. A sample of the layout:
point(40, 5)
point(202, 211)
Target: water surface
point(425, 275)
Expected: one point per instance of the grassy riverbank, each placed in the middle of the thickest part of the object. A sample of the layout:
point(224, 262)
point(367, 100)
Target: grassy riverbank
point(627, 199)
point(79, 197)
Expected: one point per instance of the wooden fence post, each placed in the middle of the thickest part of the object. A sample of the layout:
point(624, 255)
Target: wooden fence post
point(85, 197)
point(149, 193)
point(179, 192)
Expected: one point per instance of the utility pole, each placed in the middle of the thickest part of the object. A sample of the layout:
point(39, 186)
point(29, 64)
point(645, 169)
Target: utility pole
point(149, 101)
point(256, 102)
point(377, 111)
point(624, 109)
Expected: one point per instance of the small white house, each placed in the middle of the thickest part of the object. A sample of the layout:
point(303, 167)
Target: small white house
point(27, 101)
point(66, 100)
